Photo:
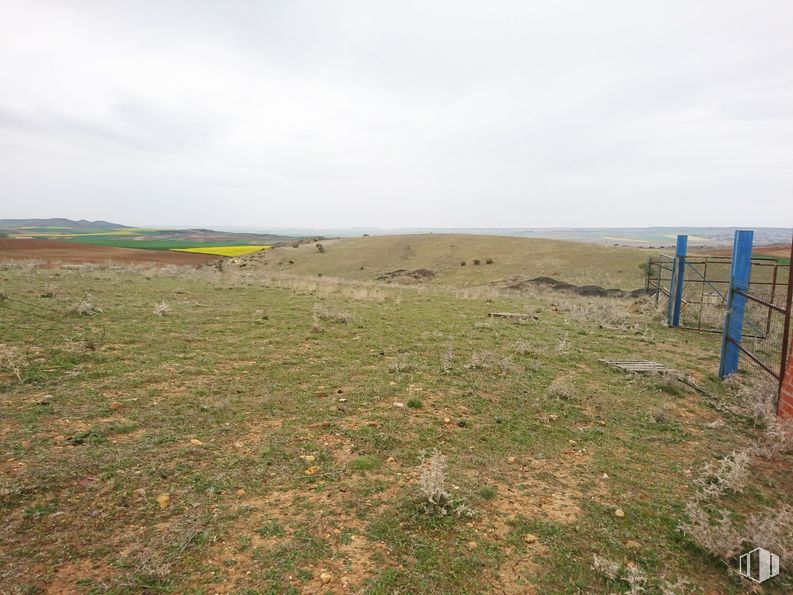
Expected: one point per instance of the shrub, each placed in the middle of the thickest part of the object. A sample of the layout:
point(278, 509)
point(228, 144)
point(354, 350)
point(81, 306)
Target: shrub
point(161, 309)
point(731, 473)
point(462, 263)
point(772, 530)
point(489, 261)
point(720, 538)
point(322, 312)
point(630, 574)
point(398, 366)
point(447, 358)
point(415, 403)
point(320, 248)
point(432, 481)
point(561, 388)
point(477, 261)
point(49, 291)
point(85, 307)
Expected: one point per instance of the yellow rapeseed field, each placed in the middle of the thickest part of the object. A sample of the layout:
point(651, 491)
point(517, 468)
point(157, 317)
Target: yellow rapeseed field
point(224, 250)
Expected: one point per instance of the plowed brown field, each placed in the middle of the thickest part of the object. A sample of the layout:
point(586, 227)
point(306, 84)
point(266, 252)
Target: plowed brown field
point(50, 251)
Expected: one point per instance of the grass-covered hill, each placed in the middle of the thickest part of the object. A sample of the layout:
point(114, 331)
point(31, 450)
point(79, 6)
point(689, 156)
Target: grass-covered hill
point(366, 258)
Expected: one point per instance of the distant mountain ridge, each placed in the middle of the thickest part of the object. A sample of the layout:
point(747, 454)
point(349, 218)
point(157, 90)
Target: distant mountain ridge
point(59, 222)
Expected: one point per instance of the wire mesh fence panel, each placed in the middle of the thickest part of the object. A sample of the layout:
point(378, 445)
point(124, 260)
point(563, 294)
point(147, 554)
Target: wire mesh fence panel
point(706, 282)
point(765, 318)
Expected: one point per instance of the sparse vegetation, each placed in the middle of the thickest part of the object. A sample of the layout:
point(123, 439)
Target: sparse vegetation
point(231, 446)
point(85, 307)
point(161, 309)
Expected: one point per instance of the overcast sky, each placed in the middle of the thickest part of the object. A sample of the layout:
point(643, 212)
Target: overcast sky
point(390, 114)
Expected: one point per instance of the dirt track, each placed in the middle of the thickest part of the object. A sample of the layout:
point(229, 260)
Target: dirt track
point(50, 251)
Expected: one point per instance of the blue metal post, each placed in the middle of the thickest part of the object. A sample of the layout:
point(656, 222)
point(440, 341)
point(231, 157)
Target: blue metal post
point(676, 282)
point(736, 303)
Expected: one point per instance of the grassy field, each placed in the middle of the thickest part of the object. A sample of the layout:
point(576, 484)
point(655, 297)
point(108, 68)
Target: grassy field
point(265, 431)
point(365, 258)
point(225, 250)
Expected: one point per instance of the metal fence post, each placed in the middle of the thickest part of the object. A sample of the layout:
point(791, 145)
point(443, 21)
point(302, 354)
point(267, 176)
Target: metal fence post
point(676, 282)
point(740, 272)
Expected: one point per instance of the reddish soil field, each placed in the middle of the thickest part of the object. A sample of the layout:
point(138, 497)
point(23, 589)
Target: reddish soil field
point(50, 252)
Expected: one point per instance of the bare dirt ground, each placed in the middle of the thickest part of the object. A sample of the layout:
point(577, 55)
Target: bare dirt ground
point(50, 251)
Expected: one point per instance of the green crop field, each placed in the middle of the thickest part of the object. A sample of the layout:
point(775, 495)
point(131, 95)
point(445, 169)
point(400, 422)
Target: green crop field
point(265, 429)
point(148, 244)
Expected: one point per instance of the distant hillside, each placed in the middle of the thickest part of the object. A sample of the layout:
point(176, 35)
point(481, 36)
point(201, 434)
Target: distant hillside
point(103, 233)
point(370, 257)
point(60, 223)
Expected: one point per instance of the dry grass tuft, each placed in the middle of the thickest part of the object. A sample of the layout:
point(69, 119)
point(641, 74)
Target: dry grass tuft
point(719, 537)
point(322, 312)
point(50, 290)
point(631, 574)
point(85, 307)
point(730, 474)
point(447, 359)
point(487, 360)
point(435, 497)
point(562, 388)
point(603, 312)
point(161, 309)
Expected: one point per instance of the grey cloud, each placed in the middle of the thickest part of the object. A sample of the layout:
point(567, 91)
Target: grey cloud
point(355, 113)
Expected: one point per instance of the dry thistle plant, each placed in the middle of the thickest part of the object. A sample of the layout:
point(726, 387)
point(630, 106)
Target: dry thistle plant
point(161, 309)
point(322, 312)
point(730, 474)
point(720, 538)
point(9, 358)
point(435, 498)
point(85, 307)
point(524, 348)
point(562, 388)
point(49, 291)
point(447, 358)
point(563, 346)
point(399, 366)
point(482, 360)
point(632, 575)
point(773, 530)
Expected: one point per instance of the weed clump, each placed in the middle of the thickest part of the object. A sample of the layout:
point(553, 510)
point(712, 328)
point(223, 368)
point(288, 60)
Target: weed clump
point(730, 474)
point(487, 360)
point(447, 359)
point(85, 307)
point(161, 309)
point(562, 388)
point(634, 576)
point(399, 366)
point(435, 498)
point(719, 537)
point(49, 291)
point(322, 312)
